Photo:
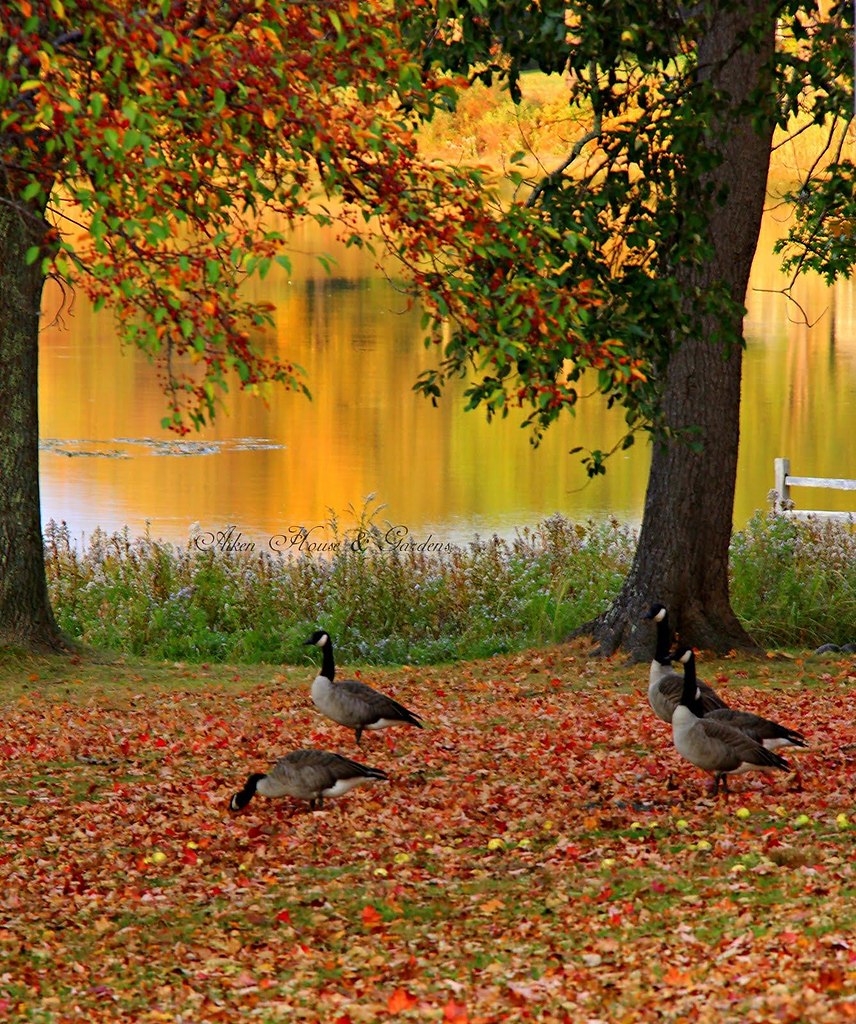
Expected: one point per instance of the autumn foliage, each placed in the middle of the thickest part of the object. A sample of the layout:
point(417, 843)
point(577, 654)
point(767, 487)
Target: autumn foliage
point(540, 853)
point(172, 147)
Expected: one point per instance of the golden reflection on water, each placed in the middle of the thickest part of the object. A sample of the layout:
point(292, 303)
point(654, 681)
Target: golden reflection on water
point(106, 461)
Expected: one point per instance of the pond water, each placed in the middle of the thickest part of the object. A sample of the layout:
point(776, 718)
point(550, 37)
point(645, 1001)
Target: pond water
point(441, 473)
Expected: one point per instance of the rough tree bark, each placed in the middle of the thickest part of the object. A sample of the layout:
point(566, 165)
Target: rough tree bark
point(682, 556)
point(26, 617)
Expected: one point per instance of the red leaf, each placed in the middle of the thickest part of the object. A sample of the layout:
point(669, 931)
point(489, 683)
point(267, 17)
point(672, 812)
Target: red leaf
point(454, 1011)
point(284, 917)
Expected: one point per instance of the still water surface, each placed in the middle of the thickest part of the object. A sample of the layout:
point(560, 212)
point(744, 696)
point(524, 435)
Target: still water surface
point(440, 472)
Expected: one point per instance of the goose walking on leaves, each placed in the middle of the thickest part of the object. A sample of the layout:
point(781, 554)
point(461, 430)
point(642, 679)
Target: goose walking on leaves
point(308, 775)
point(714, 746)
point(351, 702)
point(766, 732)
point(664, 684)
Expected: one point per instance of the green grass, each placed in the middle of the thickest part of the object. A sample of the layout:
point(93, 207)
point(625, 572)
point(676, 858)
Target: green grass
point(794, 582)
point(793, 587)
point(145, 598)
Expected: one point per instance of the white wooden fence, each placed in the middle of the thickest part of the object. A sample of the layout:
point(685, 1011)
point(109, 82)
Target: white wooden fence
point(783, 502)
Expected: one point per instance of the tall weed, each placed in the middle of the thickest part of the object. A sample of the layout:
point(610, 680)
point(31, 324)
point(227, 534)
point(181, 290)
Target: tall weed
point(383, 604)
point(793, 582)
point(793, 585)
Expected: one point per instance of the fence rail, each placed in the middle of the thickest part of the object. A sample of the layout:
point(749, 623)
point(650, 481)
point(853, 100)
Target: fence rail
point(784, 504)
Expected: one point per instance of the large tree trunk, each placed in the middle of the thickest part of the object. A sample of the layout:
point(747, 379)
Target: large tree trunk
point(682, 557)
point(25, 612)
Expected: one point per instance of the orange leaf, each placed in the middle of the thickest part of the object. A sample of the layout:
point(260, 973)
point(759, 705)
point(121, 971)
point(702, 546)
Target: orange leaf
point(491, 906)
point(371, 917)
point(400, 1000)
point(454, 1011)
point(676, 978)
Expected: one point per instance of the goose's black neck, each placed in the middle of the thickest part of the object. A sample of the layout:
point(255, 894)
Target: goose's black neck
point(245, 795)
point(328, 668)
point(664, 640)
point(689, 696)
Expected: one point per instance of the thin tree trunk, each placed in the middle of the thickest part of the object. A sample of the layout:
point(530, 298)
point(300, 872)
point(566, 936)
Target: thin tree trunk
point(26, 617)
point(682, 556)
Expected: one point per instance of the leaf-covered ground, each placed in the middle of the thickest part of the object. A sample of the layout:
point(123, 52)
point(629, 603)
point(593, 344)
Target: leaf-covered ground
point(540, 852)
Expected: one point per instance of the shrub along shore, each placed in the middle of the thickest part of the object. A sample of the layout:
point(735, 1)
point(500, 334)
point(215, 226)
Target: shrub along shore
point(793, 586)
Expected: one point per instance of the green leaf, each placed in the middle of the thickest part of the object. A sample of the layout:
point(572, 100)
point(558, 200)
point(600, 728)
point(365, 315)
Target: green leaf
point(32, 190)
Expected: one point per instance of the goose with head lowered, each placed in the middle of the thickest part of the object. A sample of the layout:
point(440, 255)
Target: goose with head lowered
point(766, 732)
point(307, 775)
point(664, 683)
point(350, 702)
point(716, 746)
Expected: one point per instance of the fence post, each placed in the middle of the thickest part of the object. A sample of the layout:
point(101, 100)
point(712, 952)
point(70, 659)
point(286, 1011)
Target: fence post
point(783, 492)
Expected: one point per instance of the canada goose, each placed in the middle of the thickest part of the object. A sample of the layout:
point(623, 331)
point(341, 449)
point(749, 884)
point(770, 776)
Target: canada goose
point(764, 731)
point(716, 746)
point(664, 684)
point(307, 775)
point(350, 702)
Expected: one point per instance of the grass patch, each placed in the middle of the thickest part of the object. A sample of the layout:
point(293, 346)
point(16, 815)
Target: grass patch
point(382, 605)
point(793, 586)
point(794, 582)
